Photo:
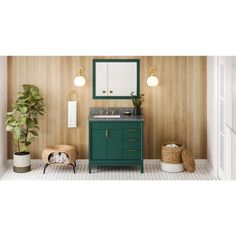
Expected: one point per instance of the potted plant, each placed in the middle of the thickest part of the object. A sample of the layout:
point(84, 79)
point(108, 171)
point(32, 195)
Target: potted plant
point(137, 102)
point(22, 122)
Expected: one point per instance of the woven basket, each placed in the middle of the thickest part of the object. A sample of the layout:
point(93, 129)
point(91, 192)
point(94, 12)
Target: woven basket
point(188, 161)
point(171, 155)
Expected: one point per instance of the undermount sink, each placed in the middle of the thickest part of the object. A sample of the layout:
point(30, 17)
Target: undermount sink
point(107, 116)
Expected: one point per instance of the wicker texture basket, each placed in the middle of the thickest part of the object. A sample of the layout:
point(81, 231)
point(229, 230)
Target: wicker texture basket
point(188, 161)
point(171, 155)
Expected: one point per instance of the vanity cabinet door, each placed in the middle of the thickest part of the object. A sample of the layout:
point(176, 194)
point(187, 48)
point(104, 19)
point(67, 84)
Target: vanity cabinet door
point(114, 144)
point(122, 79)
point(106, 144)
point(99, 145)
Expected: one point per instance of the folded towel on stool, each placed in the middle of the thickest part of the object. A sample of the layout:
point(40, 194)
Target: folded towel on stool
point(58, 157)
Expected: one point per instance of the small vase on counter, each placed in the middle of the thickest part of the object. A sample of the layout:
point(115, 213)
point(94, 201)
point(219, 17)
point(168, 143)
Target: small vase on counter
point(137, 102)
point(137, 111)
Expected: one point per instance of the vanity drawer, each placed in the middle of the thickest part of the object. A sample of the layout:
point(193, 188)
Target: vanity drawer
point(131, 125)
point(132, 154)
point(106, 125)
point(132, 133)
point(131, 143)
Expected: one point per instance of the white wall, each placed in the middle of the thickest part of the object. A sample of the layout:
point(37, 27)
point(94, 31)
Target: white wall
point(232, 123)
point(229, 158)
point(233, 162)
point(212, 112)
point(230, 117)
point(233, 84)
point(3, 110)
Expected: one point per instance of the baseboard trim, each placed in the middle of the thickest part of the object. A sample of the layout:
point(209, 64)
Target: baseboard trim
point(212, 172)
point(3, 169)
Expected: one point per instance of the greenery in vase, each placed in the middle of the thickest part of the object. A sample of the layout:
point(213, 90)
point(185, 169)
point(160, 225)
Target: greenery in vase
point(22, 121)
point(137, 101)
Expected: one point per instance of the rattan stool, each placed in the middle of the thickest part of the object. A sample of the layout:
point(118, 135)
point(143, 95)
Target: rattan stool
point(68, 149)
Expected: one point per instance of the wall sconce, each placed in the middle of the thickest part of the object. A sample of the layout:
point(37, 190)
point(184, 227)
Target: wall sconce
point(152, 79)
point(79, 80)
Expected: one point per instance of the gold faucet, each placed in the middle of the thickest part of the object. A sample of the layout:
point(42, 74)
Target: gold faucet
point(107, 111)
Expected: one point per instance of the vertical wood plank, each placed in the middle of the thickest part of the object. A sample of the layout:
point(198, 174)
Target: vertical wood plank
point(175, 110)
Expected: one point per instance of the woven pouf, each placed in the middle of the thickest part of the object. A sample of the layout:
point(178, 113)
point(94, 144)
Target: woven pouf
point(62, 148)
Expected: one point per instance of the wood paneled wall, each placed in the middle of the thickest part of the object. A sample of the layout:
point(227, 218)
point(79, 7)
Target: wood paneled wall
point(175, 110)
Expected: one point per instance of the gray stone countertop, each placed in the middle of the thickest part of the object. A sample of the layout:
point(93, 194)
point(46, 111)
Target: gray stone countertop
point(115, 111)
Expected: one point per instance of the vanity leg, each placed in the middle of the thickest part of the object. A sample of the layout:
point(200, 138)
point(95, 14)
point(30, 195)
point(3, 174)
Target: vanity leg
point(90, 169)
point(142, 169)
point(75, 163)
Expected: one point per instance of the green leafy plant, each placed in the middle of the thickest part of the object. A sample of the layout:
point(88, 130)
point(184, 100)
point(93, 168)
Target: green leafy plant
point(22, 121)
point(137, 101)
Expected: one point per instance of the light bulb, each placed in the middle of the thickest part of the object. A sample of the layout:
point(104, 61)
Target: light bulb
point(152, 81)
point(79, 81)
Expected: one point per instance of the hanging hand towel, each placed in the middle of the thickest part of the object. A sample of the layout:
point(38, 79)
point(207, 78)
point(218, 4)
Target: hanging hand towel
point(72, 114)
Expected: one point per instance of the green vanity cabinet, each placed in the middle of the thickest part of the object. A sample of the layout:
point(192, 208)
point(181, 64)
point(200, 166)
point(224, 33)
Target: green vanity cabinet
point(117, 143)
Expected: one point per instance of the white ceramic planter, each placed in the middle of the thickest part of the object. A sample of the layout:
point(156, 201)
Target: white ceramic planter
point(173, 168)
point(21, 162)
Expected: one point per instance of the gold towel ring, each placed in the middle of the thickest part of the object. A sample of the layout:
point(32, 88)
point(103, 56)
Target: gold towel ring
point(72, 94)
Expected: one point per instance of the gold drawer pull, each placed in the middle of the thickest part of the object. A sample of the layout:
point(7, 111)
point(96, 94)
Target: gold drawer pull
point(103, 91)
point(131, 130)
point(107, 134)
point(132, 150)
point(131, 140)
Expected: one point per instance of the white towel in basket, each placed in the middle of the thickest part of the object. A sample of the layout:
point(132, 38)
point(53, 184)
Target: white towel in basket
point(172, 145)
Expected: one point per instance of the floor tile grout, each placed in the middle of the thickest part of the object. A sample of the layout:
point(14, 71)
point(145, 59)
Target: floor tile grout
point(151, 172)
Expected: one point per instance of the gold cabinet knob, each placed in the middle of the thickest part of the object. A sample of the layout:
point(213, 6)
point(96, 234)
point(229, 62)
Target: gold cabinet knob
point(103, 91)
point(111, 91)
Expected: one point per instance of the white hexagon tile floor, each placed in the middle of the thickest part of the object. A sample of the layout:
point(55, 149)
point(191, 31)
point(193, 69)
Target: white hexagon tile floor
point(151, 172)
